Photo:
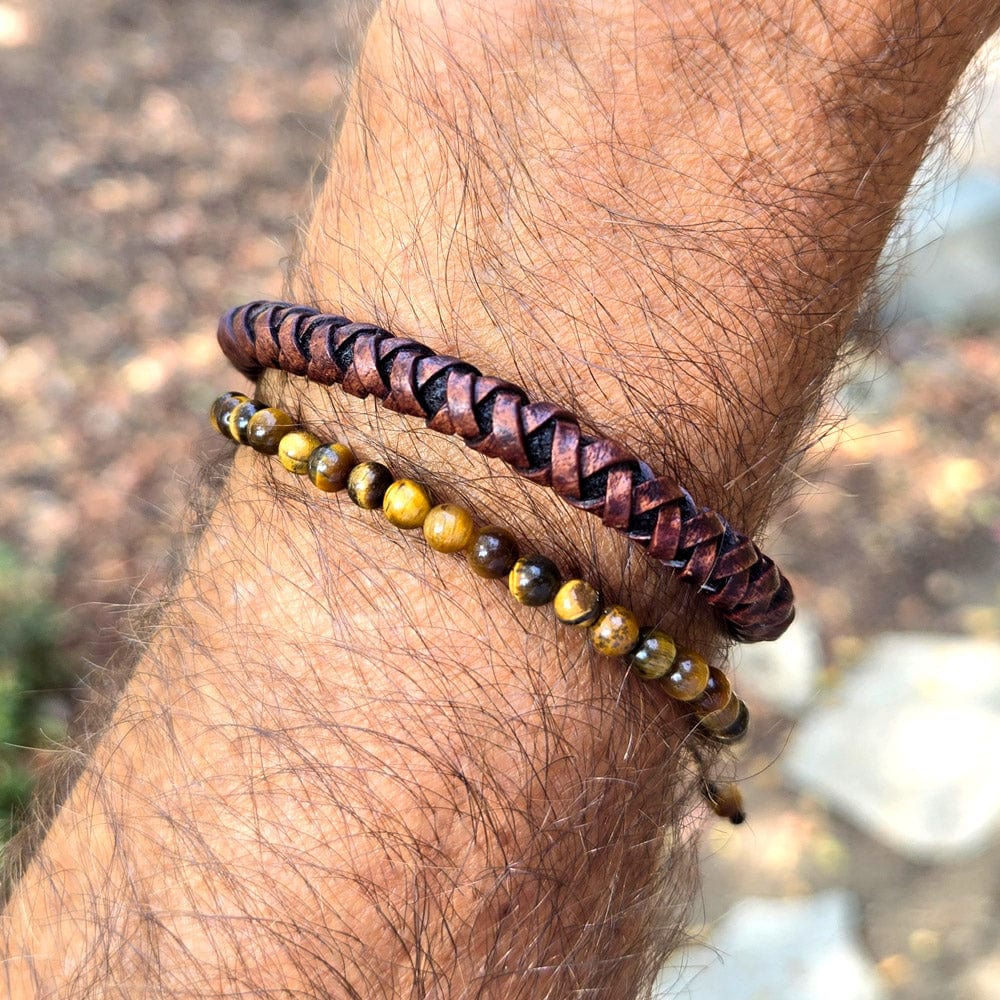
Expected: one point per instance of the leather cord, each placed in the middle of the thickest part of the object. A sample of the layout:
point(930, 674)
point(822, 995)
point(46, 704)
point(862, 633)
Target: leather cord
point(539, 440)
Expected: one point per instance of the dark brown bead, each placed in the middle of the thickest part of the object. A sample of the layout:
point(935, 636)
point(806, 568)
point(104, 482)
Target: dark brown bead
point(221, 408)
point(736, 732)
point(721, 718)
point(266, 429)
point(367, 483)
point(239, 420)
point(492, 553)
point(716, 695)
point(534, 580)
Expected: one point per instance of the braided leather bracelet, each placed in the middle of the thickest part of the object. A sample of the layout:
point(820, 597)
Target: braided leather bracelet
point(539, 440)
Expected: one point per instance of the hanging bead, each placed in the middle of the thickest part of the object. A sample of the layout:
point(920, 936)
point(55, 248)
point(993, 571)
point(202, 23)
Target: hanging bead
point(726, 801)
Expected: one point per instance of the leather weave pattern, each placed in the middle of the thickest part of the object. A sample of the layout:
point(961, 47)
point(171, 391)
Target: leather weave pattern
point(539, 440)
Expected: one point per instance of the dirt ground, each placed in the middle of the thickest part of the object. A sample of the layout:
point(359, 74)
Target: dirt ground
point(155, 157)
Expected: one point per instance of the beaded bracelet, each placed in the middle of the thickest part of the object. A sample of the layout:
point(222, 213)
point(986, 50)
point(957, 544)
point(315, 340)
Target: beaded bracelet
point(539, 440)
point(717, 713)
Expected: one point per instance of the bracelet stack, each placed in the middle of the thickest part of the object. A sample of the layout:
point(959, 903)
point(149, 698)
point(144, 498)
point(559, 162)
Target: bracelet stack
point(546, 444)
point(716, 713)
point(539, 440)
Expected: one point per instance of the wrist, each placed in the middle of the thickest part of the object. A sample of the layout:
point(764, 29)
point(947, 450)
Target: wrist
point(333, 724)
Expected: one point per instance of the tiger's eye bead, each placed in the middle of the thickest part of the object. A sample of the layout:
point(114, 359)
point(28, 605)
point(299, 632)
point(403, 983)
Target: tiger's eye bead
point(722, 718)
point(615, 632)
point(717, 694)
point(654, 655)
point(736, 732)
point(492, 553)
point(534, 580)
point(266, 429)
point(330, 465)
point(239, 419)
point(367, 483)
point(726, 802)
point(448, 528)
point(294, 450)
point(577, 603)
point(222, 407)
point(406, 503)
point(688, 677)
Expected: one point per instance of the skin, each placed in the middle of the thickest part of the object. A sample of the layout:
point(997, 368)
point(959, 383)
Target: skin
point(343, 767)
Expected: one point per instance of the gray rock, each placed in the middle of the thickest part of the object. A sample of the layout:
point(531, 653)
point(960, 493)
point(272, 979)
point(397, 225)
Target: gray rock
point(951, 258)
point(777, 949)
point(945, 248)
point(908, 747)
point(783, 674)
point(982, 981)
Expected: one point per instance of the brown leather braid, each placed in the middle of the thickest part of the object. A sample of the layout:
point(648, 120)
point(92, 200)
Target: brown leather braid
point(539, 440)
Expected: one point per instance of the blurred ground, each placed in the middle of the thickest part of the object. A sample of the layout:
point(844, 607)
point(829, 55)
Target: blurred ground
point(155, 156)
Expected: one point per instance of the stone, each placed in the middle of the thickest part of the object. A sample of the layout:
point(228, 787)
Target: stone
point(950, 258)
point(982, 981)
point(777, 949)
point(907, 748)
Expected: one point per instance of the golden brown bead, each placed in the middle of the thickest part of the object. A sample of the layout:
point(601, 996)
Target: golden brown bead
point(615, 632)
point(654, 656)
point(222, 408)
point(726, 801)
point(717, 694)
point(266, 429)
point(722, 718)
point(406, 503)
point(492, 553)
point(448, 528)
point(688, 677)
point(577, 603)
point(330, 465)
point(294, 450)
point(239, 419)
point(533, 580)
point(367, 483)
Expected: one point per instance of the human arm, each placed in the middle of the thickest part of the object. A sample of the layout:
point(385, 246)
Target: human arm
point(254, 725)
